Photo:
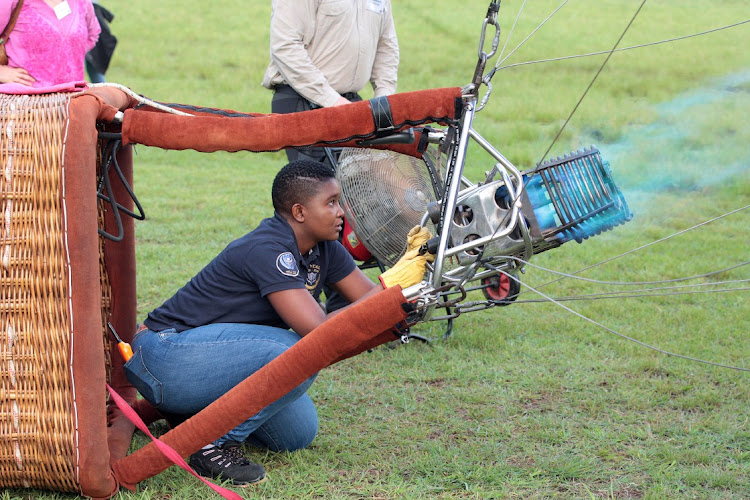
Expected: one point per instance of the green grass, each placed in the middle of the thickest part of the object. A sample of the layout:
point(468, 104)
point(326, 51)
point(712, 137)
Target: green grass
point(525, 401)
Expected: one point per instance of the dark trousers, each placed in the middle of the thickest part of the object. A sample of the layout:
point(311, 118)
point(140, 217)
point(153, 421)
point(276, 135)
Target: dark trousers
point(287, 100)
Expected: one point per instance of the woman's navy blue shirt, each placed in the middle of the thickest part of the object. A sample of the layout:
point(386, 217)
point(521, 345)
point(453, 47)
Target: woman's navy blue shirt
point(233, 287)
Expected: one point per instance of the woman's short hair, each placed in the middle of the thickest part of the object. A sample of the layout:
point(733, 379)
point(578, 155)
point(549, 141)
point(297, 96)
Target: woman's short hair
point(293, 183)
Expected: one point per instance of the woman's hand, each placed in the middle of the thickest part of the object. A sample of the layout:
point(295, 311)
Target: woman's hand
point(15, 75)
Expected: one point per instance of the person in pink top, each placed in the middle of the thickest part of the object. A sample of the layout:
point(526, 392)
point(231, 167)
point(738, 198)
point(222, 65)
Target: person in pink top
point(48, 44)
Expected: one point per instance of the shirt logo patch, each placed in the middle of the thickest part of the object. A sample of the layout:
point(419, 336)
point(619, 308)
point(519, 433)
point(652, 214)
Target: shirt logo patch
point(377, 6)
point(286, 264)
point(313, 277)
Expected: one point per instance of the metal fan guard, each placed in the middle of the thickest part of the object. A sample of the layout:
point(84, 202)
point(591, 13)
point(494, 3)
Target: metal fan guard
point(384, 195)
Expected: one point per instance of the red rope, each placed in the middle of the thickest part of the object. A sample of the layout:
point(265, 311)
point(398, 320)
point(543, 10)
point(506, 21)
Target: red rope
point(167, 450)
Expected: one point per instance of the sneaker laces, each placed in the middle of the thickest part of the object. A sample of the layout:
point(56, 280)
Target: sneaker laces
point(234, 453)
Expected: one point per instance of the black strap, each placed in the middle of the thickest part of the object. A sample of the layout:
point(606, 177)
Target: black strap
point(11, 23)
point(422, 147)
point(382, 116)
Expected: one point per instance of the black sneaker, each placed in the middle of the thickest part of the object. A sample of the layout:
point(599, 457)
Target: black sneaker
point(226, 462)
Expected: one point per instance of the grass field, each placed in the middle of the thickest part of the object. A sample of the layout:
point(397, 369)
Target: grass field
point(530, 400)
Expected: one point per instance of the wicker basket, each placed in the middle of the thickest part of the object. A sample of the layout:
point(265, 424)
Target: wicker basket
point(36, 416)
point(42, 420)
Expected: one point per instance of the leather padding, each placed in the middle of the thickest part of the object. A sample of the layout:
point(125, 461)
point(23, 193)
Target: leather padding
point(353, 330)
point(336, 126)
point(101, 437)
point(88, 369)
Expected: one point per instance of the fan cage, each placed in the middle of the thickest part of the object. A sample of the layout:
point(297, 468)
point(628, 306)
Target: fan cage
point(384, 195)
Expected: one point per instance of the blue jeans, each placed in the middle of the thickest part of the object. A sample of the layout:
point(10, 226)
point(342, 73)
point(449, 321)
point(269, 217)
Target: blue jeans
point(182, 373)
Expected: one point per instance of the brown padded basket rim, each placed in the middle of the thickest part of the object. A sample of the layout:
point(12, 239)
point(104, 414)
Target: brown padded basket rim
point(337, 126)
point(103, 437)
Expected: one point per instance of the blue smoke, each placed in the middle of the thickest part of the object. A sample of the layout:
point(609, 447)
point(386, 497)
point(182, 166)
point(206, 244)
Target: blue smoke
point(699, 139)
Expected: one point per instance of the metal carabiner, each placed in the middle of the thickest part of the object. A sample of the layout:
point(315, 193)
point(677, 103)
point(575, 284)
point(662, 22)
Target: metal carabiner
point(479, 76)
point(491, 18)
point(487, 80)
point(451, 303)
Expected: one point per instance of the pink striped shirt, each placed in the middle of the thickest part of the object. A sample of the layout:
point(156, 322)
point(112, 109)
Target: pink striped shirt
point(52, 50)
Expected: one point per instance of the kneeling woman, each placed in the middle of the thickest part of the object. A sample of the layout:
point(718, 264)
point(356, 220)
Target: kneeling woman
point(247, 306)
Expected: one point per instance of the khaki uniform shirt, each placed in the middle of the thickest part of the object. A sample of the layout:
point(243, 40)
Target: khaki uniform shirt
point(324, 48)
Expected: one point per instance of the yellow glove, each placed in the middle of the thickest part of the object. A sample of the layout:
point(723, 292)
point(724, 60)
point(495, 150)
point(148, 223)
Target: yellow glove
point(410, 268)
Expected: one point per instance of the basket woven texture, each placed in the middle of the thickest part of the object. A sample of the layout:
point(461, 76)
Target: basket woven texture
point(37, 415)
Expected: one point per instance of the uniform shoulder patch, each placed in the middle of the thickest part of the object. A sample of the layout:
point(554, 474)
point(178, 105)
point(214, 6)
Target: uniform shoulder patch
point(286, 264)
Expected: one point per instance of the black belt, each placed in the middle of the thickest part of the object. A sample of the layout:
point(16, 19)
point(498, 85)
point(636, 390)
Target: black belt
point(288, 89)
